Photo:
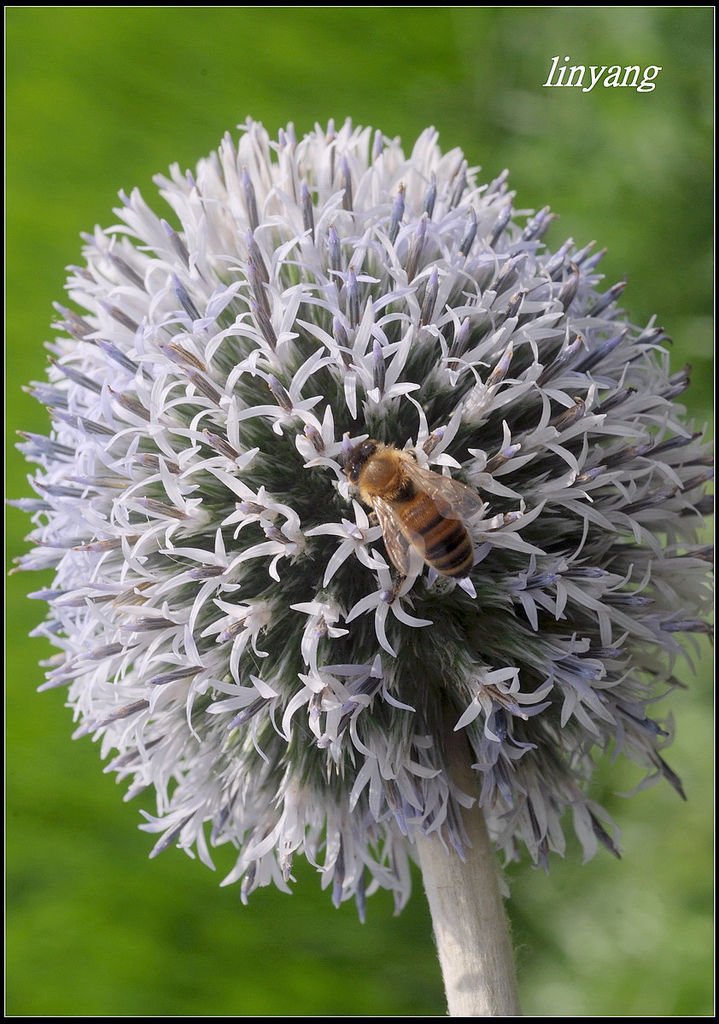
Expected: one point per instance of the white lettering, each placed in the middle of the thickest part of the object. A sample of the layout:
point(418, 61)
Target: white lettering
point(549, 82)
point(576, 79)
point(635, 71)
point(614, 77)
point(647, 83)
point(595, 74)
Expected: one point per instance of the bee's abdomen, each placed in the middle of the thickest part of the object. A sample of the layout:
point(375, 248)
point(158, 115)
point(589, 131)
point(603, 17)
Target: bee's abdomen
point(447, 545)
point(449, 549)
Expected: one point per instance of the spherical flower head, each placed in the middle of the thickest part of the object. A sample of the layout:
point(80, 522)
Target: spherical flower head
point(228, 617)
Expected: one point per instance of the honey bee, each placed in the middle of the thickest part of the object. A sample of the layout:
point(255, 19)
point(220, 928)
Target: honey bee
point(416, 508)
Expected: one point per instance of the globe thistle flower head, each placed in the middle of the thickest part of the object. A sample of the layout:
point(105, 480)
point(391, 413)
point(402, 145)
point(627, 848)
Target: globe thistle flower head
point(229, 621)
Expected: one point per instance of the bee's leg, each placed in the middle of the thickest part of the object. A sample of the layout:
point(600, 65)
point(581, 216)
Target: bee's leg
point(390, 596)
point(397, 580)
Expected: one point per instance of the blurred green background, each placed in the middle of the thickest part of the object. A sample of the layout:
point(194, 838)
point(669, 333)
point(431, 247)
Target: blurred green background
point(100, 100)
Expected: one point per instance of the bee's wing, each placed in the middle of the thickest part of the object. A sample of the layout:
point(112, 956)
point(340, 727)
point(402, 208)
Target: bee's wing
point(454, 500)
point(398, 547)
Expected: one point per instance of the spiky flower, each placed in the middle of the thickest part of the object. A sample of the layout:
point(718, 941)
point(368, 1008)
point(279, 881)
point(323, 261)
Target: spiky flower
point(227, 617)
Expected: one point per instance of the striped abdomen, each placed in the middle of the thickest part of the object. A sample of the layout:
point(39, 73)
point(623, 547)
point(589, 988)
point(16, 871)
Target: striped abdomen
point(443, 543)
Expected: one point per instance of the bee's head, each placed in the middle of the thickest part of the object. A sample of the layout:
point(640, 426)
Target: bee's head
point(357, 458)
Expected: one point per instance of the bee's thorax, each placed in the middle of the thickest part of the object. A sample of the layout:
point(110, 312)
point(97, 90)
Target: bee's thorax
point(383, 476)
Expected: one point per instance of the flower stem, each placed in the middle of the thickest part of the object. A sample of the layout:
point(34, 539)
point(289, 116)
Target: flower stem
point(470, 924)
